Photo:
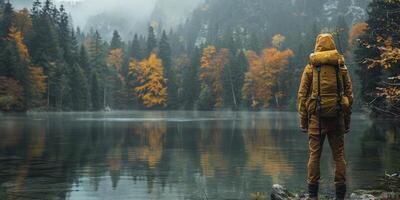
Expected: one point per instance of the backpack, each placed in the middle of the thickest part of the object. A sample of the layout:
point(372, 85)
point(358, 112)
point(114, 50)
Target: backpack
point(326, 95)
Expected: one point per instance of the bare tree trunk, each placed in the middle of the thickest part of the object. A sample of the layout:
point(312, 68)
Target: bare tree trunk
point(48, 96)
point(232, 88)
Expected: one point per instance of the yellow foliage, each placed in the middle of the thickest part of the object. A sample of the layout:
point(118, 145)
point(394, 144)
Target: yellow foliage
point(277, 40)
point(151, 88)
point(151, 138)
point(263, 74)
point(19, 40)
point(212, 67)
point(272, 161)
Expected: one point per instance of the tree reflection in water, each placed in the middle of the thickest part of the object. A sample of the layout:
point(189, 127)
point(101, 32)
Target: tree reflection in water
point(221, 154)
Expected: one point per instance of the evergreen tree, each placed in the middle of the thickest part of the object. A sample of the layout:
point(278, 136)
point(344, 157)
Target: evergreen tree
point(8, 53)
point(84, 62)
point(79, 87)
point(135, 49)
point(84, 65)
point(191, 85)
point(6, 20)
point(151, 43)
point(381, 23)
point(165, 56)
point(98, 66)
point(96, 96)
point(116, 42)
point(65, 38)
point(342, 34)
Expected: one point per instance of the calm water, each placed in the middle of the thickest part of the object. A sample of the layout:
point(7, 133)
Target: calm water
point(175, 155)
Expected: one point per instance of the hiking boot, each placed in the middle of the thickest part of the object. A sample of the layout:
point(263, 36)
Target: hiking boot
point(340, 191)
point(313, 191)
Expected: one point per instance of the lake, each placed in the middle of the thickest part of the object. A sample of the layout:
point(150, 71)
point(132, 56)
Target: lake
point(176, 155)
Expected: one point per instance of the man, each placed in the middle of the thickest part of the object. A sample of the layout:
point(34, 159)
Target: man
point(325, 98)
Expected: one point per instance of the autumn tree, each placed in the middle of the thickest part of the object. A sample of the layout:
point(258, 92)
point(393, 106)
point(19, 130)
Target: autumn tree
point(211, 71)
point(377, 57)
point(151, 82)
point(263, 74)
point(32, 79)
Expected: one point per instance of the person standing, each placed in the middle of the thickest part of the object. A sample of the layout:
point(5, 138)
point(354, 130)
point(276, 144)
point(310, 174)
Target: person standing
point(325, 98)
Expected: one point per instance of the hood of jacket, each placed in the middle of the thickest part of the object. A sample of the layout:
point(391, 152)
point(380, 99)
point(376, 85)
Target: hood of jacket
point(324, 42)
point(325, 52)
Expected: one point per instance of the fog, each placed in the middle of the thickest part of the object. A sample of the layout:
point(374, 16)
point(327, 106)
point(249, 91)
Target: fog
point(126, 16)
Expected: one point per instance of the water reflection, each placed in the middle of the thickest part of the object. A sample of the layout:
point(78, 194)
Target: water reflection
point(174, 155)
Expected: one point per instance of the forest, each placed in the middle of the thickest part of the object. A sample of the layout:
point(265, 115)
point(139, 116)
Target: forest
point(239, 59)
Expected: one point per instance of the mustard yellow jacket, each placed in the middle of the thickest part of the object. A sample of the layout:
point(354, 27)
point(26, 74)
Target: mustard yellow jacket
point(324, 43)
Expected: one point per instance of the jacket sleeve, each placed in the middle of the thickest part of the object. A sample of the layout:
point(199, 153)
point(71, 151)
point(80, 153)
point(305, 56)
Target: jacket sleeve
point(304, 89)
point(348, 92)
point(347, 84)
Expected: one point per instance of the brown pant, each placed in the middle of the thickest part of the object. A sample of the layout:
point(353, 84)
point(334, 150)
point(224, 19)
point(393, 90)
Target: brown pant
point(336, 142)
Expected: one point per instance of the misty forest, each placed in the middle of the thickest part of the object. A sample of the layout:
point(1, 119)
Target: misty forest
point(241, 58)
point(192, 99)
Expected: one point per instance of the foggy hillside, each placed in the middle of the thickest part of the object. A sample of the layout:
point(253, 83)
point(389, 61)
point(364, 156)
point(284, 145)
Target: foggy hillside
point(126, 16)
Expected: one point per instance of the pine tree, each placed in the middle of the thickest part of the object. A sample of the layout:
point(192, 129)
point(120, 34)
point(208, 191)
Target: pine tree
point(96, 97)
point(342, 33)
point(98, 66)
point(191, 84)
point(8, 52)
point(65, 37)
point(83, 62)
point(78, 84)
point(172, 87)
point(151, 43)
point(377, 24)
point(116, 42)
point(136, 51)
point(6, 20)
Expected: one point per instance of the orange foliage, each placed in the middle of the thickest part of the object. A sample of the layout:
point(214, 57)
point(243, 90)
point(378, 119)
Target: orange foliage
point(150, 75)
point(115, 59)
point(212, 67)
point(355, 32)
point(263, 74)
point(389, 55)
